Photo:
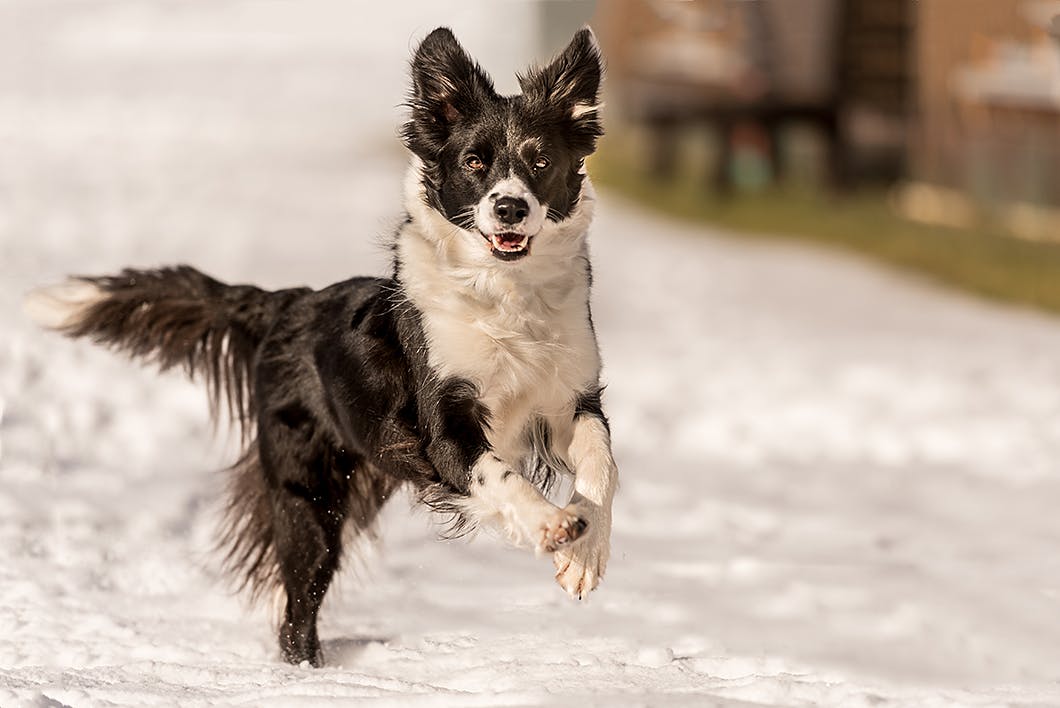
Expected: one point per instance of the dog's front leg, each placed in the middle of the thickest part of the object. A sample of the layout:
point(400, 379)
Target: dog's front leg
point(581, 566)
point(505, 497)
point(484, 487)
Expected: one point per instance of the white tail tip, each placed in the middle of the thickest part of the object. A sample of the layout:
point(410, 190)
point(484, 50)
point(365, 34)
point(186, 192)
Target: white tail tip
point(61, 306)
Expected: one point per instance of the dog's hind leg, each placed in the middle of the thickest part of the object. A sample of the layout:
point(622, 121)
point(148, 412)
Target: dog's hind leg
point(307, 533)
point(310, 485)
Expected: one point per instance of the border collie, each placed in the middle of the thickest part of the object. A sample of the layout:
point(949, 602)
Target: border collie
point(471, 373)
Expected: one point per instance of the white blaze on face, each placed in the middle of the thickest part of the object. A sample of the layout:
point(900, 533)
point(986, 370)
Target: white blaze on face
point(491, 226)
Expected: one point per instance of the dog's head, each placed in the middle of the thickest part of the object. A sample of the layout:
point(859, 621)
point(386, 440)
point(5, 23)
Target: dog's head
point(505, 170)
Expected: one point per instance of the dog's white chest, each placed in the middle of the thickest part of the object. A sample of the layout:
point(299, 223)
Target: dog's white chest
point(529, 349)
point(520, 333)
point(526, 356)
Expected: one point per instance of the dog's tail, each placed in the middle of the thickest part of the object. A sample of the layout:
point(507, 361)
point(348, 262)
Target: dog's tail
point(172, 317)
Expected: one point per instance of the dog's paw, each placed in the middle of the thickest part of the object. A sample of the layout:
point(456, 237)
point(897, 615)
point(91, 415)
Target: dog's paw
point(560, 528)
point(580, 566)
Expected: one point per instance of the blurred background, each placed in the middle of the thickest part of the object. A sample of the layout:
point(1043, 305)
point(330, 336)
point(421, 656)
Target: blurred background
point(905, 114)
point(826, 278)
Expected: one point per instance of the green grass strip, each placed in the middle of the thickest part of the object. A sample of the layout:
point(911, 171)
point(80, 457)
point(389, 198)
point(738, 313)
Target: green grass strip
point(982, 260)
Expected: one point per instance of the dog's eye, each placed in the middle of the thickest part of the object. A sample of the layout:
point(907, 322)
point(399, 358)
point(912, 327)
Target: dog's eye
point(474, 163)
point(541, 163)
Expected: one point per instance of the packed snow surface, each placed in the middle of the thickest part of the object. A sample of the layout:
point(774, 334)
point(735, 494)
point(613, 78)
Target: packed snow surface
point(839, 484)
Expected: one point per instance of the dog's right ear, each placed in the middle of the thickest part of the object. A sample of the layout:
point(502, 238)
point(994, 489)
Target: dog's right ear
point(447, 86)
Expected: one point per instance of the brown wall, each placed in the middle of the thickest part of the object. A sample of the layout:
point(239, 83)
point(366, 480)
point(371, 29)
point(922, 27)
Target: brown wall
point(951, 34)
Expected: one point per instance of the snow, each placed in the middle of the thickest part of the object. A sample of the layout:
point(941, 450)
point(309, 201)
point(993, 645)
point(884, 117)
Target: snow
point(838, 482)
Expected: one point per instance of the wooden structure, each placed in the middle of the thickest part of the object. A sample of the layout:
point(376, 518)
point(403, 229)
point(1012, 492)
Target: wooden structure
point(989, 99)
point(766, 63)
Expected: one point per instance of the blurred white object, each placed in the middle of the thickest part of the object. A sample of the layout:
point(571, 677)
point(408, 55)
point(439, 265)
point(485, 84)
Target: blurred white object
point(1020, 74)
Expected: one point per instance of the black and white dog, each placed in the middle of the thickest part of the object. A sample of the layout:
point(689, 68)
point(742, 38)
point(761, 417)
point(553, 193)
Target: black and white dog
point(472, 373)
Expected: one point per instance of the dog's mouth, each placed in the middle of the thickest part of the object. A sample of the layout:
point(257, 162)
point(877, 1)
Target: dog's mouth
point(509, 246)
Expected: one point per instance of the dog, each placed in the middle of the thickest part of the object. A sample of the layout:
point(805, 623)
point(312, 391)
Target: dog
point(471, 374)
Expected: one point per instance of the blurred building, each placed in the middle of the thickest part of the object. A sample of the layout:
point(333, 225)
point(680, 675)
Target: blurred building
point(959, 96)
point(842, 67)
point(988, 99)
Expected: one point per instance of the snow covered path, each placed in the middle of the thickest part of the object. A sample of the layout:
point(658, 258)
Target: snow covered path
point(839, 484)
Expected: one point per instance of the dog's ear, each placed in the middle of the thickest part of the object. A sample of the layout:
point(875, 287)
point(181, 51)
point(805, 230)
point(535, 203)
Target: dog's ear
point(447, 86)
point(571, 85)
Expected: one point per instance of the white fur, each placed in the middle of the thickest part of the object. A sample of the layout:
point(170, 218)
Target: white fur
point(515, 505)
point(517, 330)
point(590, 453)
point(486, 220)
point(584, 109)
point(520, 332)
point(61, 306)
point(580, 567)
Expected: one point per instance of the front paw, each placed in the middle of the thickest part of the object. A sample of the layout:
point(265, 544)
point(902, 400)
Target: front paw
point(580, 566)
point(559, 529)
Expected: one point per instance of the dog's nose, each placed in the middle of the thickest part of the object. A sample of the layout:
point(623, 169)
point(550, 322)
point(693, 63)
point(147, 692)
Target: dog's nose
point(511, 210)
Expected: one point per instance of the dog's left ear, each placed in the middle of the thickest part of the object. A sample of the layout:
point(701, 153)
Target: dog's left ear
point(571, 84)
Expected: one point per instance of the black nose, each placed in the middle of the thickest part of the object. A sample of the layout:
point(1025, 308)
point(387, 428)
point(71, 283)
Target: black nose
point(511, 210)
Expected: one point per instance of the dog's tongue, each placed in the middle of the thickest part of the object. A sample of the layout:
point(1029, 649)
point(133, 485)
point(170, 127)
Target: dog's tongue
point(508, 239)
point(508, 242)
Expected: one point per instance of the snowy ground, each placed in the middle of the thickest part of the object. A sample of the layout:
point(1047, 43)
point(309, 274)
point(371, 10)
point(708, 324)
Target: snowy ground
point(839, 484)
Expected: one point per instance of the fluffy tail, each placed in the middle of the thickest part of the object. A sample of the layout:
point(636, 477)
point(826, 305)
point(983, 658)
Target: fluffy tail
point(171, 317)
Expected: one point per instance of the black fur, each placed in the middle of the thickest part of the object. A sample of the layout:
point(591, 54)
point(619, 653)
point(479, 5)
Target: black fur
point(332, 389)
point(591, 403)
point(180, 317)
point(344, 406)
